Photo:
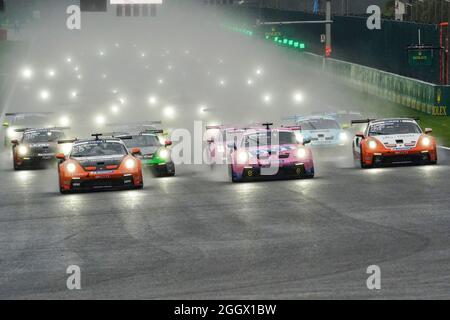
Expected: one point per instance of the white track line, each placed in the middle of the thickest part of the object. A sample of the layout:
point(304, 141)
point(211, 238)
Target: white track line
point(445, 148)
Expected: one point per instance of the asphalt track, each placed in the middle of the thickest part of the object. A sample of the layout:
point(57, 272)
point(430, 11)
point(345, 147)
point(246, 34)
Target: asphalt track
point(199, 236)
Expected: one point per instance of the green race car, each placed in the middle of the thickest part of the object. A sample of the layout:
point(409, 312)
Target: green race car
point(155, 151)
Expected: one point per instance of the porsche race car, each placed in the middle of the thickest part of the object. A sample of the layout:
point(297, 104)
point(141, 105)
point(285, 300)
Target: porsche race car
point(37, 147)
point(393, 141)
point(155, 152)
point(267, 152)
point(14, 122)
point(99, 163)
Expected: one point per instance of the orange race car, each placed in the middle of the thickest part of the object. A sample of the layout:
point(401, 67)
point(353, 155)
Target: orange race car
point(99, 163)
point(393, 141)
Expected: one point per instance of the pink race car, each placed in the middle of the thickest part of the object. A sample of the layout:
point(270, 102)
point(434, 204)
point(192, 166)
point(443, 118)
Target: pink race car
point(265, 152)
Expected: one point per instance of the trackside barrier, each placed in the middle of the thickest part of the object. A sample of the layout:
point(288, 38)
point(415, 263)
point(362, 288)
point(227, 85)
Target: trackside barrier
point(412, 93)
point(415, 94)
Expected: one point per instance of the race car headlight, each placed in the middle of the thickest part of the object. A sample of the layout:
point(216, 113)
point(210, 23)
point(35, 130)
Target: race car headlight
point(71, 168)
point(22, 150)
point(242, 157)
point(372, 144)
point(343, 136)
point(130, 164)
point(426, 141)
point(301, 153)
point(164, 154)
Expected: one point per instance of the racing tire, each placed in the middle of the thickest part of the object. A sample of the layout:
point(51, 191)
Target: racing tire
point(139, 187)
point(62, 191)
point(16, 167)
point(363, 165)
point(233, 178)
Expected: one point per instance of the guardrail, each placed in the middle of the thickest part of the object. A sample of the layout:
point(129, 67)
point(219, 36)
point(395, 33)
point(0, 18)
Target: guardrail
point(418, 95)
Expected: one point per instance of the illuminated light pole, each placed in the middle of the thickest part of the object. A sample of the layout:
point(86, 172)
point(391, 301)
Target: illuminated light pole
point(44, 95)
point(27, 73)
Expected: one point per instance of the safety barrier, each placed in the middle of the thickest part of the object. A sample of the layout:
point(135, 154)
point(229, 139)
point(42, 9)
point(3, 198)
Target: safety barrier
point(418, 95)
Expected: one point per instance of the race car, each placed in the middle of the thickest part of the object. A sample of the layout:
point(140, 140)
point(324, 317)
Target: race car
point(322, 130)
point(266, 152)
point(99, 163)
point(393, 141)
point(21, 120)
point(37, 147)
point(219, 138)
point(155, 153)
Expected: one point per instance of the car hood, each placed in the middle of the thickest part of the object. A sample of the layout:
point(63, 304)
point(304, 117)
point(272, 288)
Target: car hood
point(399, 140)
point(100, 162)
point(149, 150)
point(275, 149)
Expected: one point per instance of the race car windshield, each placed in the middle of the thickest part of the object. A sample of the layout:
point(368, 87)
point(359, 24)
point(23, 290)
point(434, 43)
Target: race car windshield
point(318, 124)
point(270, 138)
point(98, 149)
point(395, 127)
point(42, 136)
point(142, 141)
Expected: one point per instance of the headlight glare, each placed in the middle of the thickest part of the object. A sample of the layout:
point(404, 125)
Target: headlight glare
point(242, 157)
point(343, 136)
point(164, 154)
point(301, 153)
point(22, 150)
point(71, 168)
point(130, 164)
point(372, 144)
point(426, 141)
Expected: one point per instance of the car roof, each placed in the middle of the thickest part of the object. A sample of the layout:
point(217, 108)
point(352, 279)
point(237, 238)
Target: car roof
point(43, 130)
point(393, 119)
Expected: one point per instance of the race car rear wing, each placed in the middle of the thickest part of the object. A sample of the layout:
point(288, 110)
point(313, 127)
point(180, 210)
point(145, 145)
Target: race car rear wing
point(67, 141)
point(152, 131)
point(50, 128)
point(370, 120)
point(362, 121)
point(28, 114)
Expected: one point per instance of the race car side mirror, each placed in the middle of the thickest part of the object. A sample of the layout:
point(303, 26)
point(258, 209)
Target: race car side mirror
point(168, 143)
point(306, 141)
point(5, 124)
point(428, 130)
point(15, 142)
point(61, 156)
point(345, 126)
point(360, 135)
point(210, 141)
point(135, 151)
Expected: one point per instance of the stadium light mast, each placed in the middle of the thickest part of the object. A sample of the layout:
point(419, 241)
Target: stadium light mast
point(328, 48)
